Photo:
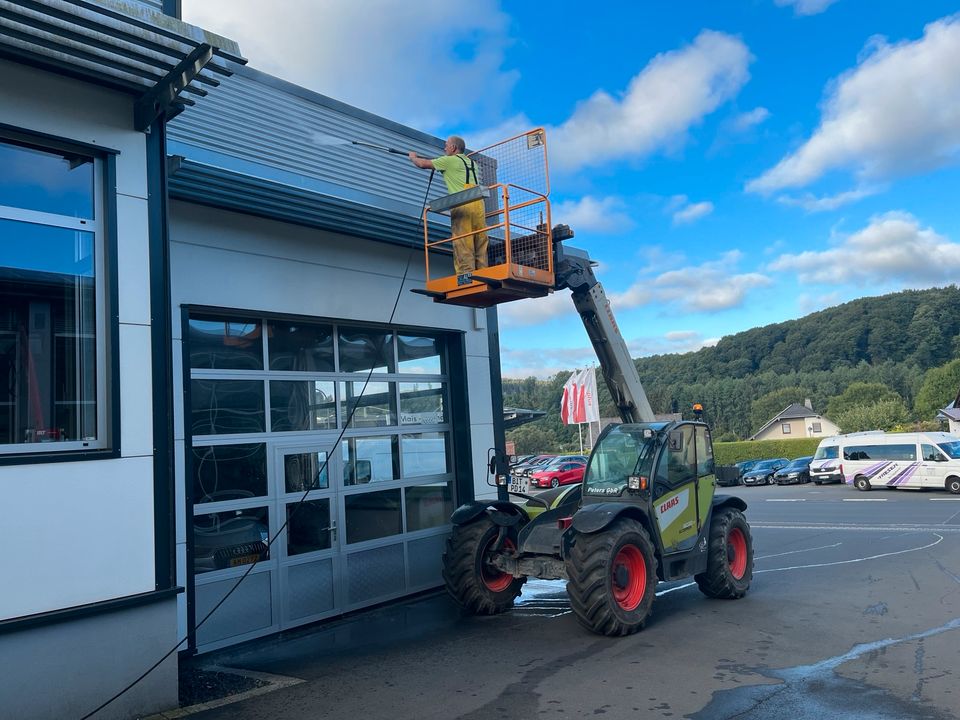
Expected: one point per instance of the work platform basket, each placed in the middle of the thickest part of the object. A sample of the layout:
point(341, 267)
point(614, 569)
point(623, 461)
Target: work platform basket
point(514, 187)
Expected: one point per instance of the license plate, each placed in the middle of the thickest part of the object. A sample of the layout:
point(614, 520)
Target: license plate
point(244, 560)
point(518, 486)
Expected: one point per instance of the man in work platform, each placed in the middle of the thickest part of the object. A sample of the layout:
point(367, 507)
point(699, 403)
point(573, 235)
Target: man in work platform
point(466, 221)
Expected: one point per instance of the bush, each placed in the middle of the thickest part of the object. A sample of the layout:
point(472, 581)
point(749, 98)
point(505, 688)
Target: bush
point(728, 453)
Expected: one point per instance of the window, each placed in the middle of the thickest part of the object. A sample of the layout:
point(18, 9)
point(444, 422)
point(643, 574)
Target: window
point(880, 452)
point(785, 428)
point(815, 427)
point(52, 290)
point(930, 452)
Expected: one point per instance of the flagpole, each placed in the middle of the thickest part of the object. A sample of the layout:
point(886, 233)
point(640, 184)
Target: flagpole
point(580, 433)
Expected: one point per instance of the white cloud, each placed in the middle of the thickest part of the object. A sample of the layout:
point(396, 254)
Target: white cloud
point(606, 214)
point(892, 249)
point(675, 91)
point(537, 311)
point(806, 7)
point(898, 112)
point(809, 303)
point(428, 63)
point(745, 121)
point(685, 211)
point(811, 203)
point(710, 287)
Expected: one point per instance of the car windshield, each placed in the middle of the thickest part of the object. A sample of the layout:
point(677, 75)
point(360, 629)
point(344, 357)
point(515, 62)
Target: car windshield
point(952, 449)
point(624, 451)
point(827, 452)
point(798, 464)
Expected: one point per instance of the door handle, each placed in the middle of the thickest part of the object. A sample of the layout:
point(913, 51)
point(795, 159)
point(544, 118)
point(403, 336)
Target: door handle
point(333, 532)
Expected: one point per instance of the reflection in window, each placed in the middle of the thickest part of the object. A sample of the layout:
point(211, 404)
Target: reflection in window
point(704, 452)
point(230, 539)
point(370, 459)
point(375, 408)
point(302, 405)
point(305, 471)
point(226, 343)
point(363, 349)
point(425, 454)
point(421, 403)
point(229, 472)
point(417, 354)
point(50, 181)
point(48, 334)
point(308, 527)
point(301, 346)
point(226, 406)
point(373, 515)
point(428, 506)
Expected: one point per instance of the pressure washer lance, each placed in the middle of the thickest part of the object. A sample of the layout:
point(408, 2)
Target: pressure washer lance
point(378, 147)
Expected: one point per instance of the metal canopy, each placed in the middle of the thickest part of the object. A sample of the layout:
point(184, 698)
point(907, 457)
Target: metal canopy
point(123, 45)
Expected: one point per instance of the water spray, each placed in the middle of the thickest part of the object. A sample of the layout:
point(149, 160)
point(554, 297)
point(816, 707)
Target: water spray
point(378, 147)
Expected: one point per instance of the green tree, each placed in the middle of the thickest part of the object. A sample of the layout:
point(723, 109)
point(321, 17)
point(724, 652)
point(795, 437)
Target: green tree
point(532, 439)
point(939, 388)
point(859, 394)
point(765, 407)
point(882, 415)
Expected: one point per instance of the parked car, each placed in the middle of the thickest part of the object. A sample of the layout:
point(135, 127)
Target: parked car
point(520, 460)
point(552, 462)
point(796, 471)
point(536, 460)
point(762, 472)
point(826, 466)
point(564, 473)
point(744, 465)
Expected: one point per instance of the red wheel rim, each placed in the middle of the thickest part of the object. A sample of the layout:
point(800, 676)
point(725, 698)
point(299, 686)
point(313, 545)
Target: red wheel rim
point(737, 552)
point(495, 580)
point(629, 577)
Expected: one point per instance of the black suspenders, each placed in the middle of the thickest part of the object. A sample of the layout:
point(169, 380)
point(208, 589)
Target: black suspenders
point(467, 169)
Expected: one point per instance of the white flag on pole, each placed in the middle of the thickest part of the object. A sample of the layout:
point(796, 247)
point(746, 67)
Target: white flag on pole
point(591, 403)
point(568, 403)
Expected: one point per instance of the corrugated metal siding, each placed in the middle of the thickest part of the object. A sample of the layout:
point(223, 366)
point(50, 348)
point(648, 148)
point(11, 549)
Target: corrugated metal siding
point(152, 4)
point(259, 119)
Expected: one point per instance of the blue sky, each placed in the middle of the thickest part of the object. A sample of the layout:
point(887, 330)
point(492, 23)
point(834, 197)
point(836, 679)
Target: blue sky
point(729, 164)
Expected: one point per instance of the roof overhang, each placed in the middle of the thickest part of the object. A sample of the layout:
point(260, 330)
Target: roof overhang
point(122, 45)
point(210, 178)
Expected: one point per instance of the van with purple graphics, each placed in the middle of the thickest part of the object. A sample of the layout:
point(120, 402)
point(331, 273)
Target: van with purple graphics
point(900, 460)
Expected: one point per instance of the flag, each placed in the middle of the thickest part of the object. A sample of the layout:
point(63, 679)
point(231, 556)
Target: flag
point(568, 403)
point(590, 404)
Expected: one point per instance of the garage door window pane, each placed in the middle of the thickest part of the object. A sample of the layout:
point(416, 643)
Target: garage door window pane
point(308, 527)
point(376, 407)
point(418, 354)
point(370, 459)
point(225, 343)
point(373, 515)
point(428, 506)
point(230, 539)
point(50, 181)
point(305, 471)
point(302, 405)
point(421, 403)
point(301, 346)
point(363, 349)
point(425, 454)
point(227, 406)
point(229, 472)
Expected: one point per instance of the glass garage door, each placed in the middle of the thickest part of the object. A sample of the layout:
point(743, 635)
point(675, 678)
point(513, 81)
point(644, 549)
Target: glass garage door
point(356, 523)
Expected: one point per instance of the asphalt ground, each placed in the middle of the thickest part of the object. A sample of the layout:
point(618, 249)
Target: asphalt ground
point(854, 612)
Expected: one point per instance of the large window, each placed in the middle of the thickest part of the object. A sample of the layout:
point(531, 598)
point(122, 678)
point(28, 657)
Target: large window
point(52, 326)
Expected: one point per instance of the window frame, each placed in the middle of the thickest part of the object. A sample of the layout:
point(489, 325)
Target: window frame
point(106, 324)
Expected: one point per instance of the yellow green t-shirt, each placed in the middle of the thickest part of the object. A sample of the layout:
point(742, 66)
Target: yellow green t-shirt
point(454, 169)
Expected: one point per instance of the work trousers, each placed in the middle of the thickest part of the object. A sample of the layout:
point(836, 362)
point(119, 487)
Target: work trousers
point(470, 251)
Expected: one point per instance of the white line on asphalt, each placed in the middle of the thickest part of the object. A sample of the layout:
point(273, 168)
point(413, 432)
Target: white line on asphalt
point(854, 560)
point(786, 499)
point(857, 528)
point(944, 499)
point(794, 552)
point(865, 499)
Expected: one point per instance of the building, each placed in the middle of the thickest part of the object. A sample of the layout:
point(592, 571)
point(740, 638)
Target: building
point(796, 421)
point(951, 414)
point(207, 320)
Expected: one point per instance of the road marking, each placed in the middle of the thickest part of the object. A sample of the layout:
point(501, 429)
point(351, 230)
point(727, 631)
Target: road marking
point(857, 528)
point(794, 552)
point(854, 560)
point(865, 499)
point(944, 499)
point(785, 499)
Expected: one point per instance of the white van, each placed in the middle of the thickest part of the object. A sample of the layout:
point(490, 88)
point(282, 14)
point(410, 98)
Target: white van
point(826, 466)
point(897, 460)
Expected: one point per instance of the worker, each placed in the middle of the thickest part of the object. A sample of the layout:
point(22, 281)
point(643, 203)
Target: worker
point(469, 221)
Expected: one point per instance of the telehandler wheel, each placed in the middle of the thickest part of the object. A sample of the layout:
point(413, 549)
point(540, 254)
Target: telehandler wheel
point(474, 583)
point(613, 575)
point(730, 557)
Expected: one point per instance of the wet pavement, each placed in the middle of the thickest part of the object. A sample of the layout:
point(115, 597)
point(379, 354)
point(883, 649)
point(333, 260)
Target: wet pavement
point(853, 614)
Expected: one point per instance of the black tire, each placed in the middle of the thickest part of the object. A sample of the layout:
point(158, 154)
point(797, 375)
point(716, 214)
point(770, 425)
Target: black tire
point(817, 482)
point(613, 578)
point(730, 556)
point(554, 482)
point(953, 485)
point(478, 587)
point(861, 483)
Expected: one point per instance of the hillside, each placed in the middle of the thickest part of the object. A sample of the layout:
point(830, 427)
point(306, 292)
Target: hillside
point(892, 339)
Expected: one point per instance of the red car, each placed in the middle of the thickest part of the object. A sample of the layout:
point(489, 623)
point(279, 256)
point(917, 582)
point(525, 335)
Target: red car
point(568, 473)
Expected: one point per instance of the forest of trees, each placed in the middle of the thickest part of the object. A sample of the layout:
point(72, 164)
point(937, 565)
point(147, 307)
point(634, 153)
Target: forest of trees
point(895, 357)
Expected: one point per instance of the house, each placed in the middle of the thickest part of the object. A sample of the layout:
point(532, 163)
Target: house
point(796, 421)
point(951, 414)
point(198, 302)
